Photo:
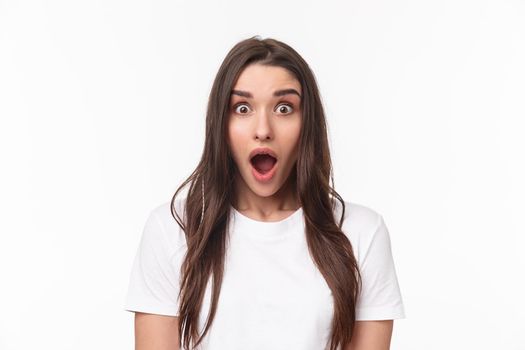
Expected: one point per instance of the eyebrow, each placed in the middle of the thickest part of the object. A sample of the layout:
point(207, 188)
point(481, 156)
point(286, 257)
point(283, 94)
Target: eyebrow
point(276, 93)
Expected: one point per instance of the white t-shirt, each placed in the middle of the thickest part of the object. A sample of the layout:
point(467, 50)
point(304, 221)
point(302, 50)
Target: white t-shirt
point(272, 295)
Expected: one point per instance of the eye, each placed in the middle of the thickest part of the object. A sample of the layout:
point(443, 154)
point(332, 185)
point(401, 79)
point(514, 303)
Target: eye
point(285, 106)
point(243, 110)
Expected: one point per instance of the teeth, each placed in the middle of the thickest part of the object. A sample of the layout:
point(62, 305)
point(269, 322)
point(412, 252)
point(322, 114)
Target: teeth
point(263, 154)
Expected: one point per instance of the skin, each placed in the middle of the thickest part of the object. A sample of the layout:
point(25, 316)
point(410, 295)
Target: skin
point(371, 335)
point(259, 121)
point(156, 332)
point(265, 120)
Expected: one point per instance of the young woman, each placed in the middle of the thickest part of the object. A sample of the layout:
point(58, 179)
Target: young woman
point(262, 252)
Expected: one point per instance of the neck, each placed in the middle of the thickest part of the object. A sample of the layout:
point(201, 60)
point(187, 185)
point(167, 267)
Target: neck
point(284, 200)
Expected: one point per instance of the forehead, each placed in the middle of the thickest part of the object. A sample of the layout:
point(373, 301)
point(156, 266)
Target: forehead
point(263, 80)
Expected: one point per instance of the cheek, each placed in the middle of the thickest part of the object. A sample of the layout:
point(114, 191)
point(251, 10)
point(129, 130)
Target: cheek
point(290, 136)
point(236, 138)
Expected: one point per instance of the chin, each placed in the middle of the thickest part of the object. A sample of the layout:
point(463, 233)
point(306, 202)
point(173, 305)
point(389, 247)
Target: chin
point(263, 190)
point(266, 192)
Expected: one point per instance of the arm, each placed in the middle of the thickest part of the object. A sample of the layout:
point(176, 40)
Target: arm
point(156, 332)
point(371, 335)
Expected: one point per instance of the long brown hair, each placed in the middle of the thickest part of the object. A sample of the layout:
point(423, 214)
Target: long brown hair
point(211, 191)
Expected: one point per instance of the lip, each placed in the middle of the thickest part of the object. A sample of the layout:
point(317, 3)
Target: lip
point(264, 178)
point(262, 150)
point(267, 177)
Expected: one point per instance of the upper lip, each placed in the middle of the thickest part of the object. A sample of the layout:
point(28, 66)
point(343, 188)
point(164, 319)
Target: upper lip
point(262, 150)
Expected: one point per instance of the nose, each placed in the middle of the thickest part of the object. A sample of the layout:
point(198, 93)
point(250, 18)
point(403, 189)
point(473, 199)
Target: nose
point(263, 128)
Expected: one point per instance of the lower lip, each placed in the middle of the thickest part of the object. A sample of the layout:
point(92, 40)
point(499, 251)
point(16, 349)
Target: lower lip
point(264, 177)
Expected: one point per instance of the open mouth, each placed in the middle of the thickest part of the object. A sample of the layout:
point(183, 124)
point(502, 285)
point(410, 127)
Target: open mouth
point(263, 163)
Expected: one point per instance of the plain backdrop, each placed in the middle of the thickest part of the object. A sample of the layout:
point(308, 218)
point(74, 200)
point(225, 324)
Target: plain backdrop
point(102, 107)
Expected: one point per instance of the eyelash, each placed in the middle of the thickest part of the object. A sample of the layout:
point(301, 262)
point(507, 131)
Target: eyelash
point(281, 104)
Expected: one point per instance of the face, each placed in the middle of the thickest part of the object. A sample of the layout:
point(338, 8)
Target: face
point(264, 111)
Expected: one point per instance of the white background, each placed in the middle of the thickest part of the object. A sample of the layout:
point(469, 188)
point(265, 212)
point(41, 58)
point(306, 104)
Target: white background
point(102, 116)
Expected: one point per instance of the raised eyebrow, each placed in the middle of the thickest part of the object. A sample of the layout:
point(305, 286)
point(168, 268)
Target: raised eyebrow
point(286, 92)
point(276, 93)
point(242, 93)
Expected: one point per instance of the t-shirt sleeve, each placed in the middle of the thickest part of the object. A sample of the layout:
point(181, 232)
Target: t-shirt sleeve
point(380, 297)
point(154, 280)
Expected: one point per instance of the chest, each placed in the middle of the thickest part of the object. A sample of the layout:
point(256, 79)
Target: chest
point(270, 287)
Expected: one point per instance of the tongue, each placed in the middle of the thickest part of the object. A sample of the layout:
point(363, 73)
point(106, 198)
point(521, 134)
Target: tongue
point(263, 163)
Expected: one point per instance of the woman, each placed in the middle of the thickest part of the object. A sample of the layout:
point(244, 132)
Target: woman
point(266, 255)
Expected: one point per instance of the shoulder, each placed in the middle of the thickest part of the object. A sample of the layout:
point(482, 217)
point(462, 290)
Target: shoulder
point(162, 216)
point(380, 297)
point(360, 224)
point(360, 221)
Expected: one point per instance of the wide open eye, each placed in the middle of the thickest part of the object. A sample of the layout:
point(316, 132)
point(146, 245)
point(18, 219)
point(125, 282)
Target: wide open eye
point(284, 107)
point(243, 110)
